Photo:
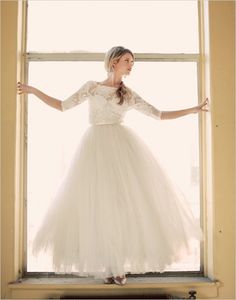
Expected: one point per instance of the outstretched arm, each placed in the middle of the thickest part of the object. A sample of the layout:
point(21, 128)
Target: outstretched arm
point(166, 115)
point(27, 89)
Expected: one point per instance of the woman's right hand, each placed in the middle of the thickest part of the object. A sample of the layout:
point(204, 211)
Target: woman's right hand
point(27, 89)
point(24, 88)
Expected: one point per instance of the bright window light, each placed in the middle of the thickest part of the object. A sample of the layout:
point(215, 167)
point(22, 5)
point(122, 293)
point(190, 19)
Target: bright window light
point(96, 26)
point(90, 27)
point(53, 136)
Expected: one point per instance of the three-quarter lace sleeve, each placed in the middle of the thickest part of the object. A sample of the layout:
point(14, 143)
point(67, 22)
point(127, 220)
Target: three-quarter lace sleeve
point(144, 107)
point(78, 97)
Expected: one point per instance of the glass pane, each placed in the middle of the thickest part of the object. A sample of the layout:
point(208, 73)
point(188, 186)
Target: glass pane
point(142, 26)
point(53, 135)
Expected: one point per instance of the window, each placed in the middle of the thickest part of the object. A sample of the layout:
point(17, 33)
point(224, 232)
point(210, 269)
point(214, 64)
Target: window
point(59, 62)
point(85, 26)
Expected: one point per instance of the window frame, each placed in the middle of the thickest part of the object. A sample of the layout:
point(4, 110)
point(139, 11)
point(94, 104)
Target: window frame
point(139, 57)
point(98, 56)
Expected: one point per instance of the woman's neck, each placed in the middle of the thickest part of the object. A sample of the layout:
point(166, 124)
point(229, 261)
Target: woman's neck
point(113, 80)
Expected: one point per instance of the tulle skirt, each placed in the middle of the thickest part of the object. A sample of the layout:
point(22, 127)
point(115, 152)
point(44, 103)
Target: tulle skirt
point(116, 210)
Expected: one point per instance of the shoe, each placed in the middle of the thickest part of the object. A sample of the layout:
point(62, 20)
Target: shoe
point(109, 280)
point(120, 280)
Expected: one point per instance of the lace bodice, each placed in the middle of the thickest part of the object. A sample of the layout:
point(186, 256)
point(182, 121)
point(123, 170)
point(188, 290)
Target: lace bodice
point(103, 103)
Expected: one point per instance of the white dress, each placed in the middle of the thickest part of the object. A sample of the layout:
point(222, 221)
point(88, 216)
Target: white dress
point(116, 210)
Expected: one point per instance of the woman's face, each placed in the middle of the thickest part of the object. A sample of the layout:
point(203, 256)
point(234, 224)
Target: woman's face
point(125, 64)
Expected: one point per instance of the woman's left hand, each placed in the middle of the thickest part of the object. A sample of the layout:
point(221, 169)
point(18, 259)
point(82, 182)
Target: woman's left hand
point(204, 106)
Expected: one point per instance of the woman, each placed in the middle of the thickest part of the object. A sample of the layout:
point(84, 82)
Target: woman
point(116, 210)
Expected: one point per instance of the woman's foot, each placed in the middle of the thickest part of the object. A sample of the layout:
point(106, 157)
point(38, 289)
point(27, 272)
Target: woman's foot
point(109, 280)
point(120, 280)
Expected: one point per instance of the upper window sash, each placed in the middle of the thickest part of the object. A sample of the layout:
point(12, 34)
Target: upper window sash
point(156, 26)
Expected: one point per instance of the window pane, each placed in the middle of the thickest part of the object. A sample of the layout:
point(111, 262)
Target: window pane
point(96, 26)
point(53, 136)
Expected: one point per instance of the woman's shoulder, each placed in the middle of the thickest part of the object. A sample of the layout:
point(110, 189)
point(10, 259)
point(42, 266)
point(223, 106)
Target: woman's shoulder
point(89, 85)
point(91, 82)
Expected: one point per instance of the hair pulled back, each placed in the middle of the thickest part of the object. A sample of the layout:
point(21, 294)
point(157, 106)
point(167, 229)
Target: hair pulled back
point(112, 55)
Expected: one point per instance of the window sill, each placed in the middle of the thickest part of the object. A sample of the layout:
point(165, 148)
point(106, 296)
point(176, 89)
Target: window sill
point(56, 287)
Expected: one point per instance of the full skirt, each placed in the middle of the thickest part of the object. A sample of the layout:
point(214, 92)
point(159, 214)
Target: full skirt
point(116, 210)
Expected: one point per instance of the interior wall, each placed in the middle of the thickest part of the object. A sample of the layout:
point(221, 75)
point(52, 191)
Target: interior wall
point(222, 88)
point(8, 139)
